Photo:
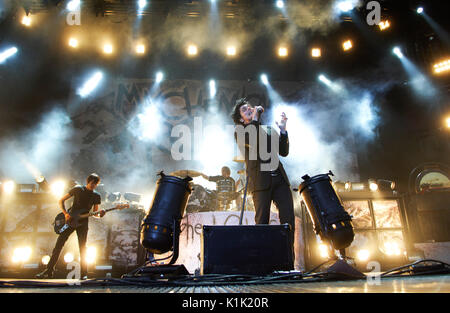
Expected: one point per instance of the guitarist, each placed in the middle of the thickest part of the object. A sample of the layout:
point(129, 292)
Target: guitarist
point(84, 198)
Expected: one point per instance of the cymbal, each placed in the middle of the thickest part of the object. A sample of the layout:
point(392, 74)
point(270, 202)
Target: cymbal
point(189, 173)
point(238, 159)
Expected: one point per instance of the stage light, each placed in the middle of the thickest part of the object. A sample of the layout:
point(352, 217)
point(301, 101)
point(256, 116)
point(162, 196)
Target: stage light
point(282, 52)
point(57, 188)
point(333, 86)
point(442, 67)
point(316, 52)
point(280, 4)
point(348, 186)
point(346, 5)
point(159, 77)
point(192, 50)
point(398, 52)
point(347, 45)
point(363, 255)
point(107, 48)
point(264, 79)
point(384, 25)
point(45, 259)
point(373, 186)
point(42, 183)
point(140, 49)
point(115, 196)
point(448, 122)
point(90, 85)
point(9, 187)
point(73, 42)
point(68, 257)
point(231, 51)
point(7, 54)
point(91, 255)
point(132, 197)
point(323, 251)
point(385, 184)
point(142, 4)
point(26, 20)
point(212, 88)
point(73, 5)
point(22, 254)
point(391, 248)
point(419, 10)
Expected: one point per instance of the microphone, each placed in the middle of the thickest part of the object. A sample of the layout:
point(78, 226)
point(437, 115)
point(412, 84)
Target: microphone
point(260, 110)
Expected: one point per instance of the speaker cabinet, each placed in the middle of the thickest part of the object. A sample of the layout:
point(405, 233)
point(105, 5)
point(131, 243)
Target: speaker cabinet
point(252, 250)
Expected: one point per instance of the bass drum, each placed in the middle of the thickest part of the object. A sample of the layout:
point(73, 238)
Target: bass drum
point(201, 200)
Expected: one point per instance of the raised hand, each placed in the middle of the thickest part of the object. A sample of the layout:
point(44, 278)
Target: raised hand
point(282, 124)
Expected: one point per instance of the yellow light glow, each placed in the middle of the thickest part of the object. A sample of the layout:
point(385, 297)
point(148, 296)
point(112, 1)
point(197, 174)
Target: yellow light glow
point(316, 53)
point(68, 257)
point(91, 255)
point(323, 250)
point(231, 50)
point(447, 122)
point(347, 45)
point(348, 186)
point(57, 188)
point(21, 254)
point(108, 48)
point(192, 50)
point(26, 20)
point(282, 52)
point(9, 186)
point(392, 248)
point(384, 25)
point(140, 49)
point(442, 67)
point(45, 259)
point(363, 255)
point(73, 42)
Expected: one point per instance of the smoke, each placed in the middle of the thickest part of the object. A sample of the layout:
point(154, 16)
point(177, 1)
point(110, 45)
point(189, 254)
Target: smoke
point(38, 151)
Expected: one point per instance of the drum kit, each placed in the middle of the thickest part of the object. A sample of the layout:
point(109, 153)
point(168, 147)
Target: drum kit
point(203, 199)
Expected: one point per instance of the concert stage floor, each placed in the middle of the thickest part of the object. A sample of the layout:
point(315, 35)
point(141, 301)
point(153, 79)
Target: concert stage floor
point(416, 284)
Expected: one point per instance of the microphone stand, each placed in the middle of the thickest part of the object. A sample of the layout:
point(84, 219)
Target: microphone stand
point(243, 202)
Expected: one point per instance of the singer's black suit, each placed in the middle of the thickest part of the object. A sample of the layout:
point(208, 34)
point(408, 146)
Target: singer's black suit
point(268, 186)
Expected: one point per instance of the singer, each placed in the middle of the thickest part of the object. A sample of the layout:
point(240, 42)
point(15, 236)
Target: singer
point(265, 185)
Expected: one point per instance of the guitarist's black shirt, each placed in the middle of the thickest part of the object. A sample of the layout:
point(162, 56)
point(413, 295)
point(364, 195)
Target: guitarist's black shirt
point(83, 200)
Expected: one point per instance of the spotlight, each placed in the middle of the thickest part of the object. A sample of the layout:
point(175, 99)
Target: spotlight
point(442, 67)
point(91, 255)
point(212, 88)
point(107, 48)
point(347, 45)
point(316, 52)
point(140, 49)
point(21, 254)
point(57, 188)
point(280, 4)
point(282, 52)
point(323, 251)
point(398, 52)
point(7, 54)
point(384, 25)
point(385, 184)
point(419, 10)
point(42, 183)
point(115, 196)
point(373, 186)
point(264, 79)
point(26, 20)
point(159, 77)
point(68, 257)
point(363, 255)
point(345, 5)
point(142, 4)
point(73, 5)
point(9, 187)
point(348, 186)
point(73, 42)
point(231, 51)
point(391, 248)
point(192, 50)
point(447, 122)
point(90, 85)
point(45, 259)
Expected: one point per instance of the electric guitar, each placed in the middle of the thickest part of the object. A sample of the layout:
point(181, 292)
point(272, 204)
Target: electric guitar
point(60, 225)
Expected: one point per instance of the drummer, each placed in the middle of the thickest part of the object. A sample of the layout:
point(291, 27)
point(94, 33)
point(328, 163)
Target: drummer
point(225, 186)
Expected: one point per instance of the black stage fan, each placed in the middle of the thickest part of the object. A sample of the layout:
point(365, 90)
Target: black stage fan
point(331, 222)
point(160, 230)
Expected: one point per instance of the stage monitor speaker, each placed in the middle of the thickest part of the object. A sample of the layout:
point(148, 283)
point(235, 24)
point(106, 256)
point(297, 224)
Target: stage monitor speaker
point(251, 250)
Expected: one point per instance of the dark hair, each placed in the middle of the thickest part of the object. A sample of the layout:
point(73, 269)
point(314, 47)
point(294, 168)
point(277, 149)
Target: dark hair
point(236, 113)
point(94, 178)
